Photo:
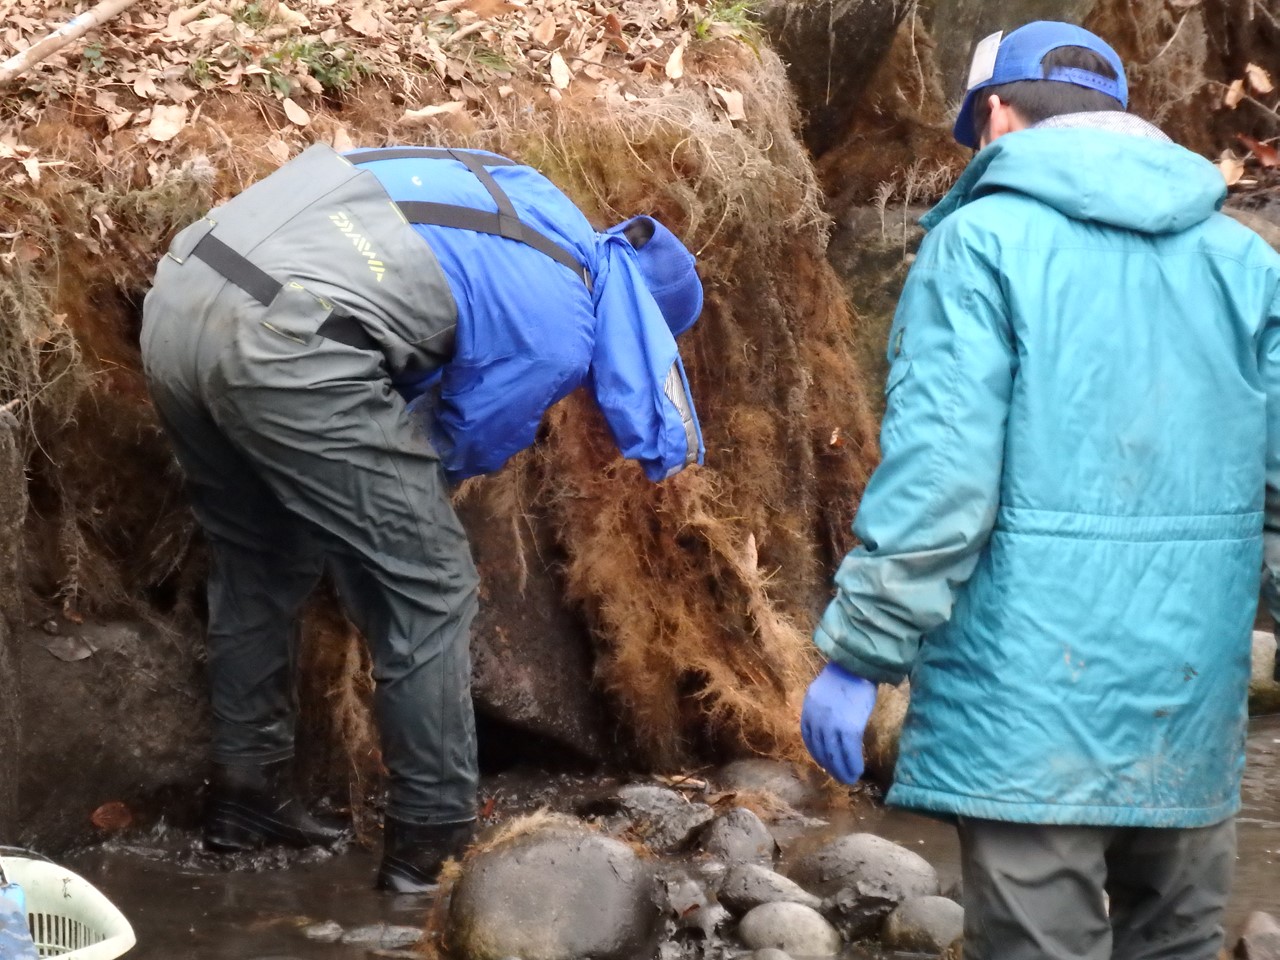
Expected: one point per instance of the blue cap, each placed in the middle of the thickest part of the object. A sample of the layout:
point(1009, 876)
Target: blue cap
point(999, 59)
point(669, 272)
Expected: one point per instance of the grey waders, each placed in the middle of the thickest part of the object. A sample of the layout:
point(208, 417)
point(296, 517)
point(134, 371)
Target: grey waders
point(275, 390)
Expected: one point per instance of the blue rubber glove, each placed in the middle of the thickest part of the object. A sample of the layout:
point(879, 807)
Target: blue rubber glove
point(834, 718)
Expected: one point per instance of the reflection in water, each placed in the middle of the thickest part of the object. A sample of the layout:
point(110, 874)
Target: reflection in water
point(181, 903)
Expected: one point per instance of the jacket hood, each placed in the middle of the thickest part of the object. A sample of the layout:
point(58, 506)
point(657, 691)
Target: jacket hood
point(1133, 182)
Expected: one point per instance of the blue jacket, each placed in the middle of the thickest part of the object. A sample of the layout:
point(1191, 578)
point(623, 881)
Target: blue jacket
point(1062, 546)
point(530, 331)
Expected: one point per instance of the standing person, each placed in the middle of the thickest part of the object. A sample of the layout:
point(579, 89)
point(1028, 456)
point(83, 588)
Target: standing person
point(278, 339)
point(1061, 547)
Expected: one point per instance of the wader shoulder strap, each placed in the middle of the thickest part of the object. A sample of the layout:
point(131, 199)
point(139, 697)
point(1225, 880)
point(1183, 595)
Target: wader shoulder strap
point(505, 223)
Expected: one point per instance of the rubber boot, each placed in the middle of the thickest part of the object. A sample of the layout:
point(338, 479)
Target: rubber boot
point(412, 853)
point(251, 805)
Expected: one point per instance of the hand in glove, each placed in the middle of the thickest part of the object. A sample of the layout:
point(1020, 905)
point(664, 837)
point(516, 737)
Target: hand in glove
point(834, 718)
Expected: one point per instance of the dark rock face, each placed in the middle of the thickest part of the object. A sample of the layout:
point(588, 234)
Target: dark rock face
point(831, 48)
point(558, 893)
point(531, 660)
point(138, 731)
point(13, 507)
point(863, 878)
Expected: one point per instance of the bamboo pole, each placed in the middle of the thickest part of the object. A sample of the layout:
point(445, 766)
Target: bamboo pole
point(67, 33)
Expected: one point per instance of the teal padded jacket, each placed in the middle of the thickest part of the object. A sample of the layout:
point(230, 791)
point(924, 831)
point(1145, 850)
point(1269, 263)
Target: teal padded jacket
point(1063, 544)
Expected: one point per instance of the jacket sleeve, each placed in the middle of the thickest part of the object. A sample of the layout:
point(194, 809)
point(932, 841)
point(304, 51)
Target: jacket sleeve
point(930, 506)
point(489, 411)
point(636, 374)
point(1269, 364)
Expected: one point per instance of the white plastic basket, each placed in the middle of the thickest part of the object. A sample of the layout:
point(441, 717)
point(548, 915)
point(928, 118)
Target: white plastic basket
point(69, 918)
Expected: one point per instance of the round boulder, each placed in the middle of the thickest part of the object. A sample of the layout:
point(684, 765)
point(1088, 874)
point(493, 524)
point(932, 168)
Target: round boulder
point(796, 929)
point(739, 836)
point(747, 885)
point(862, 878)
point(768, 776)
point(555, 893)
point(924, 925)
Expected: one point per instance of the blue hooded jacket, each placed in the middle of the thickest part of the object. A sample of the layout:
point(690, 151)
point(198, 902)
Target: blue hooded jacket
point(1062, 546)
point(530, 331)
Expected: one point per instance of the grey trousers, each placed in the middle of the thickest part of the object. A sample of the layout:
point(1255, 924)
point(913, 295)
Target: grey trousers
point(1036, 892)
point(299, 455)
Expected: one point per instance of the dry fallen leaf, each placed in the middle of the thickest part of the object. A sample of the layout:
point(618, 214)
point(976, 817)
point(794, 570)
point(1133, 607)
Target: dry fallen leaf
point(167, 121)
point(342, 141)
point(278, 149)
point(560, 73)
point(295, 113)
point(435, 110)
point(32, 166)
point(1267, 155)
point(545, 31)
point(1259, 79)
point(732, 100)
point(669, 11)
point(363, 22)
point(675, 63)
point(1235, 93)
point(1231, 169)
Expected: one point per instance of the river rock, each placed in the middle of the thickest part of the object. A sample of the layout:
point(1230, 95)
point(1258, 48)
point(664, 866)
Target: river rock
point(383, 936)
point(559, 892)
point(747, 885)
point(662, 818)
point(328, 932)
point(767, 776)
point(799, 930)
point(863, 878)
point(691, 908)
point(739, 836)
point(1264, 691)
point(923, 925)
point(1260, 939)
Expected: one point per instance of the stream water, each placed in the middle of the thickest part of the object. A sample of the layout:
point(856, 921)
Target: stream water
point(184, 904)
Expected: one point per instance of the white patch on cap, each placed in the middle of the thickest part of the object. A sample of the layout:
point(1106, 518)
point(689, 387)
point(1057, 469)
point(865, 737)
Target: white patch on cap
point(983, 66)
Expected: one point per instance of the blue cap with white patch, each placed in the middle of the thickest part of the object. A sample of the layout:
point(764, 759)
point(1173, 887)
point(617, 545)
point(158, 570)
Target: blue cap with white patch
point(1000, 59)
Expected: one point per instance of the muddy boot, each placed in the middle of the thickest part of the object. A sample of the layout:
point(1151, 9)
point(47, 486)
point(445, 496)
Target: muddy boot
point(251, 805)
point(412, 853)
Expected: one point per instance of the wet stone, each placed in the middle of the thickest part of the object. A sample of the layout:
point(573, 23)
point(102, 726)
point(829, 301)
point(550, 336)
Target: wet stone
point(863, 878)
point(770, 953)
point(691, 909)
point(663, 818)
point(798, 930)
point(383, 935)
point(739, 836)
point(1260, 939)
point(557, 893)
point(768, 776)
point(747, 885)
point(327, 932)
point(923, 925)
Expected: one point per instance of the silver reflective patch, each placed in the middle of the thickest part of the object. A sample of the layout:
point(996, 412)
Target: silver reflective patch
point(674, 389)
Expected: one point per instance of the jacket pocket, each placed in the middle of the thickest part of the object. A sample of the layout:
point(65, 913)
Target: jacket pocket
point(296, 313)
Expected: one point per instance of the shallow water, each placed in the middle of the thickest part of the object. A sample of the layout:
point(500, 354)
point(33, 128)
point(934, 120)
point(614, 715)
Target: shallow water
point(184, 904)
